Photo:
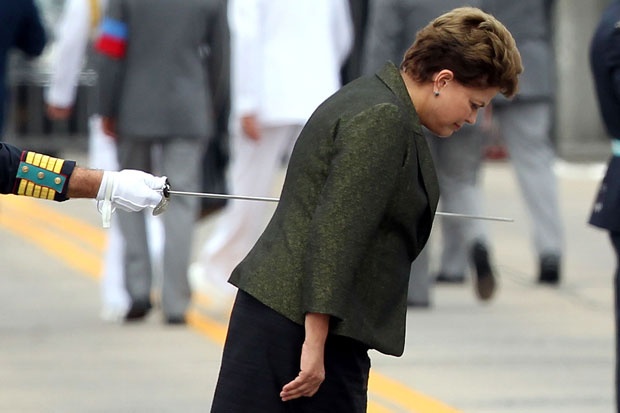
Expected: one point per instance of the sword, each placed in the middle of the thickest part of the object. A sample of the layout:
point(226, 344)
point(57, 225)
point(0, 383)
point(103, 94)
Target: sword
point(161, 207)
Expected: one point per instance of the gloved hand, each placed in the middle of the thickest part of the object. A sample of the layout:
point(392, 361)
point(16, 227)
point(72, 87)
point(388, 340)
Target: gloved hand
point(129, 190)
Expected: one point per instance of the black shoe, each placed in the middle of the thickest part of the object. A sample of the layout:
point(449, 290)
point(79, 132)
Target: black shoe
point(485, 277)
point(175, 320)
point(138, 310)
point(418, 304)
point(442, 278)
point(549, 269)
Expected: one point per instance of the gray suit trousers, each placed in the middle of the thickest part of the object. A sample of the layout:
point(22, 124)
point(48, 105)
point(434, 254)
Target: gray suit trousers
point(179, 160)
point(525, 129)
point(456, 161)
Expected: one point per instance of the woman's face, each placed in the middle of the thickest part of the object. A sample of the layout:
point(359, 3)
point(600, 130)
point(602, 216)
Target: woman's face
point(455, 105)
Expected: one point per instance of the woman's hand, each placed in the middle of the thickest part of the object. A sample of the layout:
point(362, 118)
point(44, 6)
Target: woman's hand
point(58, 112)
point(312, 364)
point(109, 126)
point(251, 127)
point(312, 374)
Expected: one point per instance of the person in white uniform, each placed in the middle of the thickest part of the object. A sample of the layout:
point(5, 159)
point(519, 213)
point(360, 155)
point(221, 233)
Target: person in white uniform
point(286, 59)
point(76, 28)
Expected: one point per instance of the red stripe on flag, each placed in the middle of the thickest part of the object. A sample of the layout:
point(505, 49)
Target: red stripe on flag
point(111, 46)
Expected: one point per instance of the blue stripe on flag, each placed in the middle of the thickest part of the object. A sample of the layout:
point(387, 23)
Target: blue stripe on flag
point(114, 28)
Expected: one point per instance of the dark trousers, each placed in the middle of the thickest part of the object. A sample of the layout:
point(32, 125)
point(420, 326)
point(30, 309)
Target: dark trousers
point(615, 241)
point(262, 354)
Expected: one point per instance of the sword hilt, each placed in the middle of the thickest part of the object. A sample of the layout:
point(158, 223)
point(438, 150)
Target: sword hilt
point(166, 190)
point(163, 204)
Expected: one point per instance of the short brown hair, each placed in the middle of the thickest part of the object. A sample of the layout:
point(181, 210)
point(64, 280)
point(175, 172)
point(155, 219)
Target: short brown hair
point(474, 45)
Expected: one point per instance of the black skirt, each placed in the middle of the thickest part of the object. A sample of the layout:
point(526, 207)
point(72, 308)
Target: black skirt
point(262, 354)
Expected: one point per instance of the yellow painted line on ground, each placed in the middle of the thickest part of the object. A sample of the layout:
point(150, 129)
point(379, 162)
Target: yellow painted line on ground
point(53, 241)
point(30, 220)
point(406, 397)
point(212, 329)
point(90, 236)
point(374, 407)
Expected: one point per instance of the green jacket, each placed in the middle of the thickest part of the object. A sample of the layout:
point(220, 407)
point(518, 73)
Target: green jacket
point(356, 208)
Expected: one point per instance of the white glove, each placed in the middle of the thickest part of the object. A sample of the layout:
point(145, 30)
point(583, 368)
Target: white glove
point(129, 190)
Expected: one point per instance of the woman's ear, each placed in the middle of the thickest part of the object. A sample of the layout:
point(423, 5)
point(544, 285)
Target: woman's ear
point(441, 79)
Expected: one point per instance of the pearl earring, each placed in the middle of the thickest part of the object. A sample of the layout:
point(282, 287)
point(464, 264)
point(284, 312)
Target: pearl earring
point(436, 93)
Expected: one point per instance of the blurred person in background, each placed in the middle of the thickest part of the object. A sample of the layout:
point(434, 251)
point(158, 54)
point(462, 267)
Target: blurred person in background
point(75, 30)
point(163, 66)
point(392, 25)
point(287, 57)
point(352, 68)
point(605, 65)
point(525, 125)
point(20, 28)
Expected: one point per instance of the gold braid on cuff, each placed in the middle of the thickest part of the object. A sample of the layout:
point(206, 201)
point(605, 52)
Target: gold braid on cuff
point(43, 176)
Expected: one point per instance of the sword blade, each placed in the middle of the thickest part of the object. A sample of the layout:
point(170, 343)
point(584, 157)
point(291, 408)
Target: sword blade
point(269, 199)
point(482, 217)
point(223, 196)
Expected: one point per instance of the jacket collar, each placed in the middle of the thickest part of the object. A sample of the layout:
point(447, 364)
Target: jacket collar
point(390, 75)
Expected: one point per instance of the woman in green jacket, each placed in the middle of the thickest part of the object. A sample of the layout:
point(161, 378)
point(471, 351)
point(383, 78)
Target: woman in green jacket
point(327, 280)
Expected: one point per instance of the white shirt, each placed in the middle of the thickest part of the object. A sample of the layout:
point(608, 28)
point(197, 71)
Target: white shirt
point(72, 37)
point(286, 56)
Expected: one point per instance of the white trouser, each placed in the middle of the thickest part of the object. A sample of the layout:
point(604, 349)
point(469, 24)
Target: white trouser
point(102, 155)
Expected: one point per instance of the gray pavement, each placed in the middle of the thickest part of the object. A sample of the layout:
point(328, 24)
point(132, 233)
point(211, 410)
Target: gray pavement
point(532, 349)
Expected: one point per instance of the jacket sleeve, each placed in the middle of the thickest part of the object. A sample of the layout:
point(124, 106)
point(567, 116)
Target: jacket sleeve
point(72, 35)
point(368, 155)
point(111, 48)
point(31, 36)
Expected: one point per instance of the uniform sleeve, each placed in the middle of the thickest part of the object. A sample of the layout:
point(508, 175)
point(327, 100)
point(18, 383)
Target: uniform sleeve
point(72, 35)
point(612, 59)
point(9, 158)
point(33, 174)
point(111, 48)
point(31, 36)
point(360, 182)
